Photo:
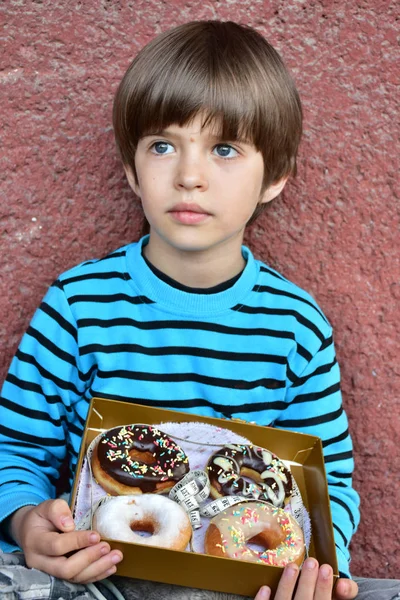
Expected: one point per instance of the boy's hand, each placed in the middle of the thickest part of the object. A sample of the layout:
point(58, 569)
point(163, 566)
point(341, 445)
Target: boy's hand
point(314, 584)
point(46, 533)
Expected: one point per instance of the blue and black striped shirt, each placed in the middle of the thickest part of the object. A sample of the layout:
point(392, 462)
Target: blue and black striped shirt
point(260, 350)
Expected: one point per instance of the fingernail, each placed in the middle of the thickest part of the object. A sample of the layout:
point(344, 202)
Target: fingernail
point(326, 571)
point(94, 538)
point(264, 593)
point(104, 549)
point(291, 571)
point(310, 564)
point(111, 571)
point(116, 558)
point(67, 522)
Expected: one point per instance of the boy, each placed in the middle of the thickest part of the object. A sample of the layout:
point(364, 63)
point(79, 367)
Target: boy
point(208, 122)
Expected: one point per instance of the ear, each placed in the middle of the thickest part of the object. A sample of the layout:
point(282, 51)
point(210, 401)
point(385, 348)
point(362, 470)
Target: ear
point(273, 190)
point(132, 180)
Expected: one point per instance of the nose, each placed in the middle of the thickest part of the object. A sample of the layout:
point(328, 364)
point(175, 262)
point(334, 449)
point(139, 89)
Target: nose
point(191, 173)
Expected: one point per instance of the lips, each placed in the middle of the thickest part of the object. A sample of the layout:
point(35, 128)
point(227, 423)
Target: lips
point(188, 207)
point(188, 213)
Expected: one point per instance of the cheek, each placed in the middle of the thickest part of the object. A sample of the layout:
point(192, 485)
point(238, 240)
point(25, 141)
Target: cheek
point(247, 187)
point(154, 176)
point(152, 192)
point(246, 178)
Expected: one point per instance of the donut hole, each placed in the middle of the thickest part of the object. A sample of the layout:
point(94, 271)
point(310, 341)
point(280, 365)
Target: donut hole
point(143, 528)
point(255, 547)
point(259, 543)
point(251, 478)
point(144, 457)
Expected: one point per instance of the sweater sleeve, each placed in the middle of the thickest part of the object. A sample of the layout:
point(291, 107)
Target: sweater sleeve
point(314, 407)
point(37, 406)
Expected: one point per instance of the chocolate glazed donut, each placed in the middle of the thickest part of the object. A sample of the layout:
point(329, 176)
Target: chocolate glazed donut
point(228, 467)
point(137, 459)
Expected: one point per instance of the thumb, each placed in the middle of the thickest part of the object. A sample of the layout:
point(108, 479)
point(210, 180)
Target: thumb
point(59, 514)
point(345, 589)
point(263, 594)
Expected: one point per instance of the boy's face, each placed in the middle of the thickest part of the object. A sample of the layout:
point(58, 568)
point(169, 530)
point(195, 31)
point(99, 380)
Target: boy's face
point(198, 191)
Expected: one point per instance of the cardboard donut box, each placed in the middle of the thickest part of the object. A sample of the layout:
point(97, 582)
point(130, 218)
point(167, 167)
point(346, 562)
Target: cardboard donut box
point(304, 452)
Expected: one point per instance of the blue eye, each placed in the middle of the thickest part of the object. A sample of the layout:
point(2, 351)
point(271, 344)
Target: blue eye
point(225, 151)
point(162, 148)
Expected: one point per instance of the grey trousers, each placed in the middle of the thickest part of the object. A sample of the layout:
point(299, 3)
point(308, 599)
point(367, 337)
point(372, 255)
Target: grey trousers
point(17, 582)
point(369, 589)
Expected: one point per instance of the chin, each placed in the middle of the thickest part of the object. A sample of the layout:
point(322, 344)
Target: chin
point(190, 241)
point(194, 239)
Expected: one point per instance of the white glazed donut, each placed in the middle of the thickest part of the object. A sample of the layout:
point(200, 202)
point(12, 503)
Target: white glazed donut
point(167, 522)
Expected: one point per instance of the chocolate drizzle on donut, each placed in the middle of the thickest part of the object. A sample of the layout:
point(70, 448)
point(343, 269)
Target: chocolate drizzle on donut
point(120, 450)
point(228, 465)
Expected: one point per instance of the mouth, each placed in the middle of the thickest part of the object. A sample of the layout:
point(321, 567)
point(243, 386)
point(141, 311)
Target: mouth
point(188, 213)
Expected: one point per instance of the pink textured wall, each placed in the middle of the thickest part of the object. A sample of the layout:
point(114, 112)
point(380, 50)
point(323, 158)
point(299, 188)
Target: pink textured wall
point(335, 232)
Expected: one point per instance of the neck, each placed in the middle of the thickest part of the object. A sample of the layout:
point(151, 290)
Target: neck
point(197, 269)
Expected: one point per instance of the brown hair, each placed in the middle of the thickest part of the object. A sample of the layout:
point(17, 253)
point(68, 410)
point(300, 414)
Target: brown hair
point(224, 70)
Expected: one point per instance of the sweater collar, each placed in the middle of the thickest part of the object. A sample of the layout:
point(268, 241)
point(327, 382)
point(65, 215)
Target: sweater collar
point(146, 283)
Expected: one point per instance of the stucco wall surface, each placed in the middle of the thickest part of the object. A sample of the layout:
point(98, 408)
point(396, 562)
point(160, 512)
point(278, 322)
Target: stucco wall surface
point(335, 231)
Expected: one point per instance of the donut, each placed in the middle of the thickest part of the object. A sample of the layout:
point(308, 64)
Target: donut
point(228, 467)
point(261, 523)
point(136, 459)
point(121, 517)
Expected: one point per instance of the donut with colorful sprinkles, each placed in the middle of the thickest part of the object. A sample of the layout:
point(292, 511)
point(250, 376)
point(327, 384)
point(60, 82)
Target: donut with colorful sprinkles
point(135, 459)
point(280, 536)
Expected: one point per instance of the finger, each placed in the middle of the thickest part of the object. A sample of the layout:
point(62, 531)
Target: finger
point(56, 565)
point(323, 589)
point(100, 569)
point(287, 582)
point(68, 568)
point(345, 589)
point(264, 593)
point(88, 564)
point(58, 513)
point(58, 544)
point(308, 579)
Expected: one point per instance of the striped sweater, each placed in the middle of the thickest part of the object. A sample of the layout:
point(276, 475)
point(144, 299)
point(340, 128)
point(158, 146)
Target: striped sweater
point(260, 350)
